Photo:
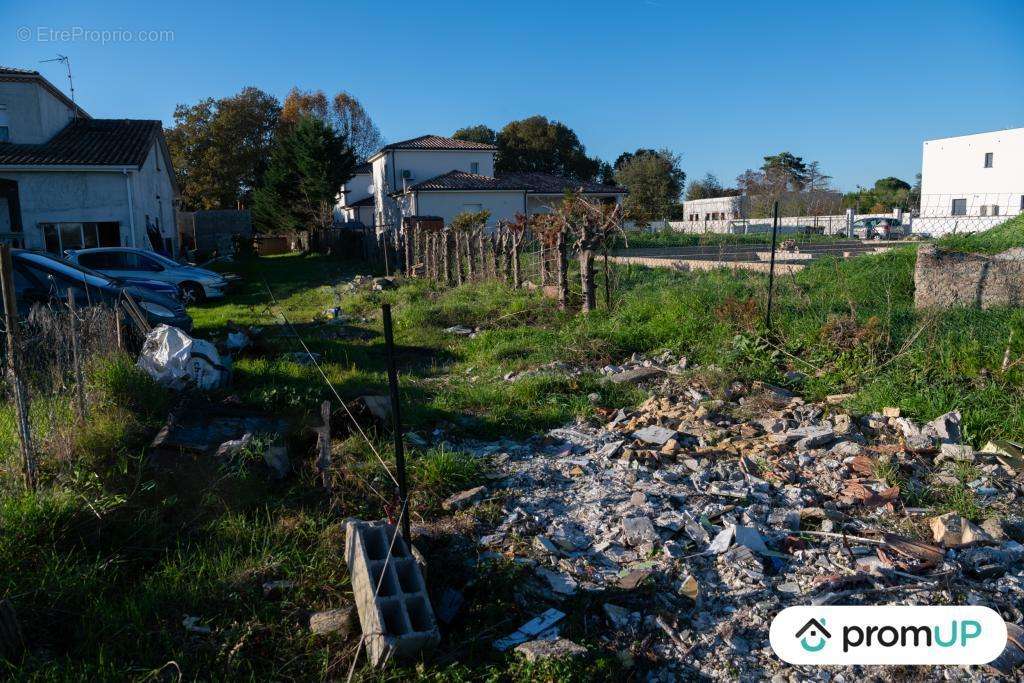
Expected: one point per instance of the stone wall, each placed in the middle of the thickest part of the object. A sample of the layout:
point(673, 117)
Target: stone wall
point(943, 279)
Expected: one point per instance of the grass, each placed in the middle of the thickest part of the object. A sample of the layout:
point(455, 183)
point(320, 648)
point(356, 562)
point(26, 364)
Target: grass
point(1000, 238)
point(666, 237)
point(113, 553)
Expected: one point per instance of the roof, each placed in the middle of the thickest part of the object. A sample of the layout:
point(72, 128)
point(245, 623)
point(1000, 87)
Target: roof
point(365, 201)
point(531, 183)
point(88, 142)
point(461, 180)
point(364, 168)
point(429, 142)
point(545, 183)
point(8, 73)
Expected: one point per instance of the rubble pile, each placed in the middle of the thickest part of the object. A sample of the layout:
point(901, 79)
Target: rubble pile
point(638, 369)
point(693, 521)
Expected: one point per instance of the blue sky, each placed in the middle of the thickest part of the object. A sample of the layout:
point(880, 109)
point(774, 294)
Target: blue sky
point(856, 86)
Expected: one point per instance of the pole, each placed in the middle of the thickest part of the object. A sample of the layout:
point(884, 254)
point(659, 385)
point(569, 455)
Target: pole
point(76, 355)
point(396, 421)
point(28, 457)
point(323, 463)
point(771, 268)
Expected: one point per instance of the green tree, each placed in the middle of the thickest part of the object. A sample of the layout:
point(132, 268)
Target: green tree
point(536, 144)
point(478, 133)
point(785, 171)
point(654, 180)
point(886, 194)
point(219, 148)
point(309, 164)
point(709, 187)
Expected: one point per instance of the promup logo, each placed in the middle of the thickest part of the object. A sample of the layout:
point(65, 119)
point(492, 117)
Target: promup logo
point(816, 632)
point(888, 635)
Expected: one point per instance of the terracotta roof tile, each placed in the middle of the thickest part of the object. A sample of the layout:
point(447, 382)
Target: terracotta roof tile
point(438, 142)
point(88, 142)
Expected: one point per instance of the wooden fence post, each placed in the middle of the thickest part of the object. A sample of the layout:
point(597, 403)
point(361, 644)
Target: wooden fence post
point(21, 402)
point(119, 326)
point(323, 462)
point(76, 355)
point(563, 271)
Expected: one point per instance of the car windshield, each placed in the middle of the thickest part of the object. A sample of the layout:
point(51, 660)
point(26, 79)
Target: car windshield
point(68, 270)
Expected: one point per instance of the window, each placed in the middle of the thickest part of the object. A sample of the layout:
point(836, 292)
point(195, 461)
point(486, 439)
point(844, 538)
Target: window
point(988, 159)
point(473, 208)
point(59, 237)
point(984, 210)
point(959, 207)
point(1022, 202)
point(995, 209)
point(5, 125)
point(474, 167)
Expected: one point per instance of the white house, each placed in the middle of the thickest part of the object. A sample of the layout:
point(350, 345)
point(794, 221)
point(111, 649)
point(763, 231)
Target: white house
point(69, 181)
point(441, 177)
point(715, 209)
point(971, 181)
point(356, 201)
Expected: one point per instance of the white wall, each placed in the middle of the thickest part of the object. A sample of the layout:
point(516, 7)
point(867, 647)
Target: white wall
point(954, 168)
point(153, 198)
point(34, 115)
point(731, 207)
point(447, 205)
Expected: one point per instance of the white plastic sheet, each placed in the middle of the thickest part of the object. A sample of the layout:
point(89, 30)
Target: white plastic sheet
point(175, 359)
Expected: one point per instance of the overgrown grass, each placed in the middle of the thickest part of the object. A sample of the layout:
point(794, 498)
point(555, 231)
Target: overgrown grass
point(113, 553)
point(666, 237)
point(1000, 238)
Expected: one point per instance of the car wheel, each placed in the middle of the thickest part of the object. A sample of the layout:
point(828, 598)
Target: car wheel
point(190, 293)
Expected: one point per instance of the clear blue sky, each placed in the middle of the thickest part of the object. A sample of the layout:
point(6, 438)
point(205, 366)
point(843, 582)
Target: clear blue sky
point(854, 85)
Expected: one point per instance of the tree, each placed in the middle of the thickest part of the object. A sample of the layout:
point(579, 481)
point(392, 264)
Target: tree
point(654, 180)
point(219, 148)
point(343, 112)
point(785, 171)
point(352, 121)
point(536, 144)
point(886, 194)
point(478, 133)
point(709, 187)
point(309, 164)
point(626, 157)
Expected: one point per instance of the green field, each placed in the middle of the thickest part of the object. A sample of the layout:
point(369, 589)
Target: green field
point(108, 558)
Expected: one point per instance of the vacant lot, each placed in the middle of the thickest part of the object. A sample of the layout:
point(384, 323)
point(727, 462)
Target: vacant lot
point(109, 558)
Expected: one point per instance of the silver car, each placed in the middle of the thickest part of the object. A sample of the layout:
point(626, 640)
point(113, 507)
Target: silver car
point(194, 284)
point(878, 229)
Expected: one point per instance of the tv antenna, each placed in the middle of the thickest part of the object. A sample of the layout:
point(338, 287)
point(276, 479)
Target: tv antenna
point(63, 59)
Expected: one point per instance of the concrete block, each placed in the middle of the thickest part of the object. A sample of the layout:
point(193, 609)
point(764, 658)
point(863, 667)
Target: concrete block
point(396, 618)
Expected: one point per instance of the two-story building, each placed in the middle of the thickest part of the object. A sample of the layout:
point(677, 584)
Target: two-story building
point(442, 177)
point(69, 181)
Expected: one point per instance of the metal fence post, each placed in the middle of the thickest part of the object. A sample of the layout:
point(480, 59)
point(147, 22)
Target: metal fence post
point(396, 421)
point(771, 268)
point(17, 386)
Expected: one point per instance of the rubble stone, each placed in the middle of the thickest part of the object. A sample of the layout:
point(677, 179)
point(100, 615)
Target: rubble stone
point(537, 650)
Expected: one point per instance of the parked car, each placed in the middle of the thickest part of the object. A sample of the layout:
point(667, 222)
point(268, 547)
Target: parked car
point(878, 229)
point(43, 278)
point(194, 284)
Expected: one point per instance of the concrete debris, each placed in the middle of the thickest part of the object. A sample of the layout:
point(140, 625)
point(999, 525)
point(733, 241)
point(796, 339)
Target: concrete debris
point(560, 648)
point(465, 499)
point(192, 625)
point(460, 330)
point(543, 627)
point(391, 597)
point(722, 512)
point(339, 620)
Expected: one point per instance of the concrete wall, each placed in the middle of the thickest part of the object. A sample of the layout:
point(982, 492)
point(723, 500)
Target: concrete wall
point(447, 205)
point(731, 207)
point(948, 279)
point(34, 115)
point(153, 198)
point(956, 166)
point(70, 196)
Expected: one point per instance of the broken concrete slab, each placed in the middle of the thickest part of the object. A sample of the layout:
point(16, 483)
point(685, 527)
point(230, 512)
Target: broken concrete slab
point(339, 620)
point(391, 598)
point(560, 648)
point(953, 531)
point(656, 436)
point(639, 530)
point(202, 428)
point(465, 499)
point(636, 375)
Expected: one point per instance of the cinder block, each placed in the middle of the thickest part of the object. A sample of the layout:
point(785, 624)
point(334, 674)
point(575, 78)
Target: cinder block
point(396, 618)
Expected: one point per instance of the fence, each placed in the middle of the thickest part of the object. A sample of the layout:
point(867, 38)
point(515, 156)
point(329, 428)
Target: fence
point(935, 215)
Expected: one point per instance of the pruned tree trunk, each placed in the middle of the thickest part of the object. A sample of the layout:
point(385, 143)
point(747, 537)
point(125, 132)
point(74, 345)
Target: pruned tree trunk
point(446, 257)
point(607, 280)
point(562, 266)
point(587, 278)
point(495, 255)
point(481, 257)
point(516, 265)
point(467, 245)
point(408, 251)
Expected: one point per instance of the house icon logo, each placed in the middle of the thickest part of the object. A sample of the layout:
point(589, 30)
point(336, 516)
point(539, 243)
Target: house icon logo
point(815, 631)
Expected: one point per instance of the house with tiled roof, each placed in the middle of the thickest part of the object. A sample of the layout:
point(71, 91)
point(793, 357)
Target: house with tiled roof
point(69, 181)
point(437, 176)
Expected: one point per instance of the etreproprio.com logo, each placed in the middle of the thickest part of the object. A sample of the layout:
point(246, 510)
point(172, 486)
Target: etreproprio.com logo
point(888, 635)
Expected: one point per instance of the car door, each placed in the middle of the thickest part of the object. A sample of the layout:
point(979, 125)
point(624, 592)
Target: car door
point(114, 263)
point(151, 269)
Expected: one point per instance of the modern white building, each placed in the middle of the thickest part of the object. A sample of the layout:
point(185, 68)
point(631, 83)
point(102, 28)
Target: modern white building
point(69, 181)
point(442, 177)
point(715, 209)
point(975, 180)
